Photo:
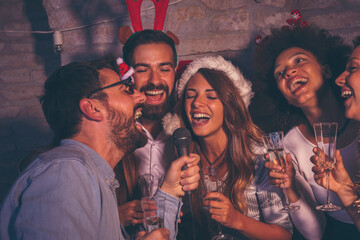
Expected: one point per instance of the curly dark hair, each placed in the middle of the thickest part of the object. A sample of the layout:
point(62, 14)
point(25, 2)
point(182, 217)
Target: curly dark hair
point(356, 41)
point(328, 50)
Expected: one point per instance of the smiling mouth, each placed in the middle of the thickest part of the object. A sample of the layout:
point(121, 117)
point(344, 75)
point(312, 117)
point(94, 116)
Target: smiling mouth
point(154, 95)
point(154, 92)
point(200, 117)
point(137, 114)
point(297, 83)
point(346, 94)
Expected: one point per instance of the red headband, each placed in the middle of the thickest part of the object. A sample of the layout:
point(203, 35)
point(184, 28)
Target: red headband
point(134, 12)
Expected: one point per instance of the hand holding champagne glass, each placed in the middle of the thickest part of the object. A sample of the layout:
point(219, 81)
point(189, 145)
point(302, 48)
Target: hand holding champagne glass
point(153, 208)
point(275, 147)
point(325, 136)
point(211, 183)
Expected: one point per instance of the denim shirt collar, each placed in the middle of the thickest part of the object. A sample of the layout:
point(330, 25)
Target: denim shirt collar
point(104, 168)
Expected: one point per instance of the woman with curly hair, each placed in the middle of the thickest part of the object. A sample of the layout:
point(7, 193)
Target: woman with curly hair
point(213, 101)
point(298, 66)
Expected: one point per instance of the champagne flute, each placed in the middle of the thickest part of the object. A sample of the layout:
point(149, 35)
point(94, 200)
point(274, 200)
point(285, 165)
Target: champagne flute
point(146, 185)
point(275, 147)
point(211, 183)
point(325, 136)
point(153, 208)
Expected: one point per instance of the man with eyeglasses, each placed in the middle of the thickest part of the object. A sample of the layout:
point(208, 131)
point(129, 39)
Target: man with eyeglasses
point(69, 191)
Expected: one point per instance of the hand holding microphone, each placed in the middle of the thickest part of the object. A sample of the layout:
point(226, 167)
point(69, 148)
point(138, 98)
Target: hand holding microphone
point(182, 140)
point(183, 174)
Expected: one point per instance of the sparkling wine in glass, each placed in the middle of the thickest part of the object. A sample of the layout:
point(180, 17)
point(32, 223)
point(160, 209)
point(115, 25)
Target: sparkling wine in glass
point(275, 147)
point(211, 182)
point(325, 136)
point(146, 185)
point(153, 208)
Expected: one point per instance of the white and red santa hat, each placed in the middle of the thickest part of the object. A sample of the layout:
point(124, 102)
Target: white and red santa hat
point(217, 63)
point(125, 71)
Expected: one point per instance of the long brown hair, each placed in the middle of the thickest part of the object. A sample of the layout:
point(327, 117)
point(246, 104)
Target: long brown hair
point(126, 174)
point(241, 132)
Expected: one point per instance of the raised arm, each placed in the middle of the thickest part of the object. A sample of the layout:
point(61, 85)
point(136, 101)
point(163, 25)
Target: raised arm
point(340, 183)
point(175, 184)
point(309, 222)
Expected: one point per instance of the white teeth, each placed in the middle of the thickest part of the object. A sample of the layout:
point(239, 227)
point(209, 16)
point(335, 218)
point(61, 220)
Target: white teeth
point(346, 93)
point(297, 83)
point(138, 114)
point(201, 115)
point(154, 92)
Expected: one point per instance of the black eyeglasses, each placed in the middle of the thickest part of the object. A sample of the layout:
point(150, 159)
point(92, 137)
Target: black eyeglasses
point(126, 82)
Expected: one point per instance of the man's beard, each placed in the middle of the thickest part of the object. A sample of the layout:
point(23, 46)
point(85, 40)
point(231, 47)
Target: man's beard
point(124, 133)
point(156, 112)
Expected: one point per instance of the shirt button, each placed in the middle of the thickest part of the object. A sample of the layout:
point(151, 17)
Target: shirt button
point(154, 166)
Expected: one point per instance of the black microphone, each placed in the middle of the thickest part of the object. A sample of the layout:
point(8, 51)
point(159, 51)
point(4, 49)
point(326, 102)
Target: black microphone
point(182, 140)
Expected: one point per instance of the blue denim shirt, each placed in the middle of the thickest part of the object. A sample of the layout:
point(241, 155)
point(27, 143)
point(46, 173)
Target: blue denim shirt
point(68, 193)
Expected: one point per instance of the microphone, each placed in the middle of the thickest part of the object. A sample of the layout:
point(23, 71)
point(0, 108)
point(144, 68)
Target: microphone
point(182, 140)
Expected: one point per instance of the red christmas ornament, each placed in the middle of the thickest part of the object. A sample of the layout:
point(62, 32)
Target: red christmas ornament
point(258, 39)
point(296, 19)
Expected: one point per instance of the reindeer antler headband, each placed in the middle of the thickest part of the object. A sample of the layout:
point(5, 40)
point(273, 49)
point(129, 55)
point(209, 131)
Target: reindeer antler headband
point(134, 12)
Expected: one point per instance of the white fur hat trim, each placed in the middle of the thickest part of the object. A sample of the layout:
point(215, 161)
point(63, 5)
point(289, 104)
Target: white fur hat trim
point(170, 123)
point(217, 63)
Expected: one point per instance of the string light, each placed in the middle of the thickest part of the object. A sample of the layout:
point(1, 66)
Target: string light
point(57, 34)
point(58, 42)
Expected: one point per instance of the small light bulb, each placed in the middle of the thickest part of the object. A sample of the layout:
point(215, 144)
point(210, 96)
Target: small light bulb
point(58, 49)
point(58, 42)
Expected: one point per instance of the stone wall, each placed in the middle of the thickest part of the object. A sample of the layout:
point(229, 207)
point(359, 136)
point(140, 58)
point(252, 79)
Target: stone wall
point(226, 27)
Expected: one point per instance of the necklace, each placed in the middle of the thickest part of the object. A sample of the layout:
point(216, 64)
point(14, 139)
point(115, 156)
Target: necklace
point(339, 132)
point(217, 159)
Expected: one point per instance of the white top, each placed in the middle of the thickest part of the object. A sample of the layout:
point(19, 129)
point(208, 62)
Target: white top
point(155, 157)
point(301, 150)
